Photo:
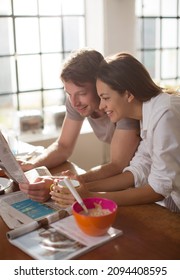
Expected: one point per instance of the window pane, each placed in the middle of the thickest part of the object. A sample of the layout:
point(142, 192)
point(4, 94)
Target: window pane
point(7, 112)
point(169, 8)
point(168, 64)
point(138, 33)
point(169, 38)
point(54, 97)
point(35, 37)
point(138, 7)
point(30, 100)
point(27, 36)
point(151, 32)
point(151, 8)
point(53, 117)
point(51, 34)
point(6, 36)
point(71, 7)
point(73, 33)
point(179, 33)
point(149, 62)
point(29, 72)
point(7, 76)
point(5, 7)
point(179, 65)
point(51, 70)
point(49, 7)
point(27, 7)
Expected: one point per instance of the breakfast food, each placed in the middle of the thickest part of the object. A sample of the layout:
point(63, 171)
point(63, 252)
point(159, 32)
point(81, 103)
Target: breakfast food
point(96, 211)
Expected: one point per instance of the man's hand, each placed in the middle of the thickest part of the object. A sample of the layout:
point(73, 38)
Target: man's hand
point(39, 190)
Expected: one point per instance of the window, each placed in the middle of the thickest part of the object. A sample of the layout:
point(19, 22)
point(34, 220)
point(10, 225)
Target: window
point(159, 39)
point(35, 37)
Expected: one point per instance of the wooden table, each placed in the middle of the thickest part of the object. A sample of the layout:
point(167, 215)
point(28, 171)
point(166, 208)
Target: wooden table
point(149, 232)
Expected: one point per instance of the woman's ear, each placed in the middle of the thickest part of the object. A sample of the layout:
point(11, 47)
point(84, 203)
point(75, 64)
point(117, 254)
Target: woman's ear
point(130, 96)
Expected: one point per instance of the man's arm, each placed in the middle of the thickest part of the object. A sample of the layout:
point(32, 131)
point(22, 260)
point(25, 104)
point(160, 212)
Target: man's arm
point(61, 149)
point(123, 147)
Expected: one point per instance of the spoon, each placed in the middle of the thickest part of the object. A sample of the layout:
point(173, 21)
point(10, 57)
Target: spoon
point(72, 189)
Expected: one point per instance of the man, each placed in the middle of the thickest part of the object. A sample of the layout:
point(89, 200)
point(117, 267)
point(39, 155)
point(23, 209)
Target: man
point(79, 78)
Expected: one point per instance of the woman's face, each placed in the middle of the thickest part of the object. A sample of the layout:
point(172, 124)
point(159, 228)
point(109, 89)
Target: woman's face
point(115, 105)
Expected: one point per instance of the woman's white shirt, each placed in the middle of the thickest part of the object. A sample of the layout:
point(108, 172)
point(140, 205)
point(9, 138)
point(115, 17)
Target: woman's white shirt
point(157, 160)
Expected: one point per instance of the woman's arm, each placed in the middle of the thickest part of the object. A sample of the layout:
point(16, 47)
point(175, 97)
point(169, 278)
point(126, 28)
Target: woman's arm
point(122, 196)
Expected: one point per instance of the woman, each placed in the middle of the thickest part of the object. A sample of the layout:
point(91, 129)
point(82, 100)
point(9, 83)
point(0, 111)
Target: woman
point(78, 76)
point(126, 90)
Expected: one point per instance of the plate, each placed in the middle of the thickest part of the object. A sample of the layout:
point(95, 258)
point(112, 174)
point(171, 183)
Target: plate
point(5, 183)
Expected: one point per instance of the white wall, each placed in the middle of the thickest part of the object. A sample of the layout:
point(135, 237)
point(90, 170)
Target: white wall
point(88, 152)
point(111, 25)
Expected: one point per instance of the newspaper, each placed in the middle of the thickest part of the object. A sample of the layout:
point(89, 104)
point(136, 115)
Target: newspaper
point(16, 208)
point(61, 240)
point(9, 163)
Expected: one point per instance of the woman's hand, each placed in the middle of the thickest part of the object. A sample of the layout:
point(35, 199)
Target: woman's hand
point(63, 196)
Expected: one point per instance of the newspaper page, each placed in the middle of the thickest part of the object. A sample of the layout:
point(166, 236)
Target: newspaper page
point(9, 163)
point(61, 240)
point(17, 209)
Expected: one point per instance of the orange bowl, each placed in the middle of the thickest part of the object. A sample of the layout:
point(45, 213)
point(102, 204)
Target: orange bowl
point(95, 225)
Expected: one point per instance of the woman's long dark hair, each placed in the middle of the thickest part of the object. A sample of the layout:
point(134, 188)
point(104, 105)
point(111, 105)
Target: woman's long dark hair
point(124, 72)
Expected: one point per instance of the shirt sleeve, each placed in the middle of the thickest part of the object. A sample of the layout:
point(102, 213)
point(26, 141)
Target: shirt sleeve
point(165, 169)
point(157, 159)
point(140, 166)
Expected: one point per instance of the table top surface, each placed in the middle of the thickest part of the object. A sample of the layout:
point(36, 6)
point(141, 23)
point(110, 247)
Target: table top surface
point(149, 232)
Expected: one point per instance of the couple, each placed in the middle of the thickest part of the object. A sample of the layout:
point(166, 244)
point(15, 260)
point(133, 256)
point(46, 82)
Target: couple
point(126, 97)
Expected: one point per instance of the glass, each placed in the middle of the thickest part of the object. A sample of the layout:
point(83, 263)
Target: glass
point(53, 117)
point(30, 100)
point(5, 7)
point(51, 70)
point(6, 37)
point(27, 35)
point(7, 75)
point(150, 34)
point(149, 62)
point(138, 7)
point(157, 66)
point(54, 97)
point(179, 32)
point(74, 33)
point(169, 38)
point(25, 7)
point(179, 67)
point(7, 111)
point(151, 8)
point(168, 64)
point(139, 29)
point(51, 34)
point(169, 8)
point(29, 72)
point(49, 7)
point(71, 7)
